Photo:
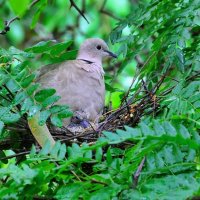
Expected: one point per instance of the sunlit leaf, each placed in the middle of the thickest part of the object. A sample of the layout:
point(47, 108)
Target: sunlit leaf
point(21, 8)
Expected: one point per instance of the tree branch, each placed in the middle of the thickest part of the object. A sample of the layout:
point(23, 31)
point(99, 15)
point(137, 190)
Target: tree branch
point(140, 66)
point(78, 10)
point(7, 25)
point(33, 3)
point(102, 10)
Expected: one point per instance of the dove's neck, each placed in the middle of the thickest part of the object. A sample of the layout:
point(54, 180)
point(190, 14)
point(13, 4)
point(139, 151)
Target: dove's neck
point(86, 57)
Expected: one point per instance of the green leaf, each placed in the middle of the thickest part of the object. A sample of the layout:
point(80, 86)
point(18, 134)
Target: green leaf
point(123, 50)
point(108, 157)
point(60, 47)
point(180, 60)
point(1, 24)
point(179, 186)
point(44, 94)
point(145, 129)
point(65, 114)
point(19, 67)
point(13, 86)
point(70, 55)
point(44, 115)
point(3, 155)
point(110, 88)
point(58, 108)
point(70, 191)
point(34, 109)
point(111, 191)
point(99, 154)
point(134, 132)
point(8, 117)
point(88, 153)
point(28, 80)
point(21, 96)
point(21, 75)
point(35, 18)
point(112, 136)
point(55, 149)
point(19, 8)
point(50, 100)
point(45, 149)
point(159, 129)
point(56, 121)
point(26, 105)
point(3, 77)
point(54, 50)
point(169, 129)
point(32, 88)
point(62, 151)
point(41, 5)
point(1, 126)
point(40, 47)
point(33, 151)
point(75, 151)
point(183, 131)
point(15, 51)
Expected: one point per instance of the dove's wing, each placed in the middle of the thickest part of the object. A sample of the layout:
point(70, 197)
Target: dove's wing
point(46, 69)
point(80, 85)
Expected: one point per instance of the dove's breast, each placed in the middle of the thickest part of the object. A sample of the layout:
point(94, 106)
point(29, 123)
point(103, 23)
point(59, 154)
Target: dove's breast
point(80, 85)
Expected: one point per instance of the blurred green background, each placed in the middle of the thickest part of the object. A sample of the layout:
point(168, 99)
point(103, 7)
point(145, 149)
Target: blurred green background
point(58, 21)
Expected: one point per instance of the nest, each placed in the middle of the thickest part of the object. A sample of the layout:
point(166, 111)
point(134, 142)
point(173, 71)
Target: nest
point(133, 108)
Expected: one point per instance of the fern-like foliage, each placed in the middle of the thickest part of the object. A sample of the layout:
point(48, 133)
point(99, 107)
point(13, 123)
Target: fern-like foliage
point(169, 187)
point(157, 158)
point(184, 102)
point(171, 153)
point(20, 94)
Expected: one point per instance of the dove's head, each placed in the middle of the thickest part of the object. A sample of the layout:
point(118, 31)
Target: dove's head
point(94, 50)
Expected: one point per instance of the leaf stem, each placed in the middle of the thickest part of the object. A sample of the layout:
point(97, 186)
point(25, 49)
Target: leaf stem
point(40, 133)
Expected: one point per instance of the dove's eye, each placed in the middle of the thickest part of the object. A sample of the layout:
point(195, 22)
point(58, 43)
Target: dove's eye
point(99, 47)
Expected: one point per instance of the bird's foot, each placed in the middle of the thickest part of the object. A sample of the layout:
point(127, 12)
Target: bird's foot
point(82, 126)
point(78, 124)
point(80, 118)
point(84, 123)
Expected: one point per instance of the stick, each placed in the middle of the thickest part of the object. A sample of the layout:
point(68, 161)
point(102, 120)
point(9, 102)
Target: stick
point(137, 173)
point(78, 10)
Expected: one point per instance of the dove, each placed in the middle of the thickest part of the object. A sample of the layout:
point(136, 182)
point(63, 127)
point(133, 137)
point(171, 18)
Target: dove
point(80, 82)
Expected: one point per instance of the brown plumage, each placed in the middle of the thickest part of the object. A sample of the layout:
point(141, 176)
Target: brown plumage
point(80, 82)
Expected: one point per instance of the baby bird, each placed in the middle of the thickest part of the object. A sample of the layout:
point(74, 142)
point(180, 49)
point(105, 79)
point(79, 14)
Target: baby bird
point(80, 83)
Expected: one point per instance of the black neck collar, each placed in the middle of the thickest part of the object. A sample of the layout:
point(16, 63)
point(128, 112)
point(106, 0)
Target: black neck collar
point(87, 61)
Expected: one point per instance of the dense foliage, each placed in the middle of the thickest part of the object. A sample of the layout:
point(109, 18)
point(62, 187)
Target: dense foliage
point(156, 158)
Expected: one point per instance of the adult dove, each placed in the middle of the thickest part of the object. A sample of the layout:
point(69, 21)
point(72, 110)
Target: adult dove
point(80, 82)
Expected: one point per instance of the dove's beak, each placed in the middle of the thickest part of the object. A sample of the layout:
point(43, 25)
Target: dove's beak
point(111, 54)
